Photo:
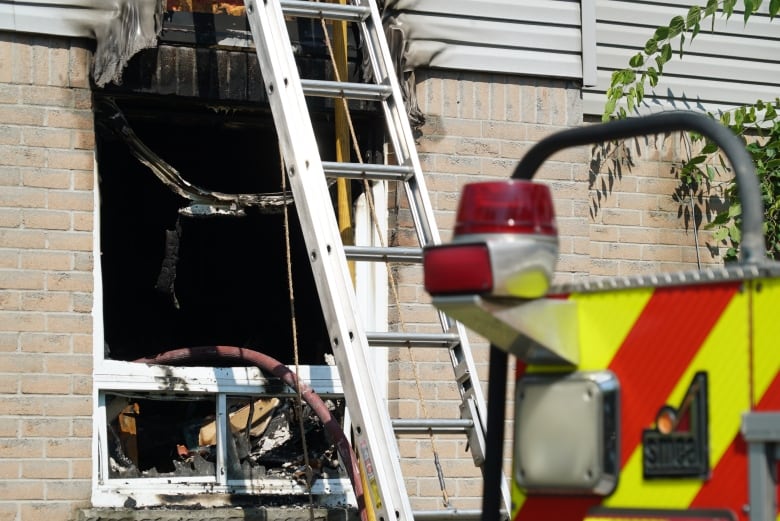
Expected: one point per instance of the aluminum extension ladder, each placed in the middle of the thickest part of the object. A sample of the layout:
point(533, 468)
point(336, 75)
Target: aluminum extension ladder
point(374, 431)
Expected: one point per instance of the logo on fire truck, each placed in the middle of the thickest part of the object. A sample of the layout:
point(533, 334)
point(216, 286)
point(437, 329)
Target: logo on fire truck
point(678, 446)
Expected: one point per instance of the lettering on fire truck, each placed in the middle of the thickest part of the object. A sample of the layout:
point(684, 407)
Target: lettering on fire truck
point(678, 445)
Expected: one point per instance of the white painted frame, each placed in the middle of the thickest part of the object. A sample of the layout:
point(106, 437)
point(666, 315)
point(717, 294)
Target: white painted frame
point(114, 376)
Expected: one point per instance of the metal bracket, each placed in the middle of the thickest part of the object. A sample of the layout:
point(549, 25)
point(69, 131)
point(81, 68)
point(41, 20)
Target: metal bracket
point(761, 431)
point(542, 331)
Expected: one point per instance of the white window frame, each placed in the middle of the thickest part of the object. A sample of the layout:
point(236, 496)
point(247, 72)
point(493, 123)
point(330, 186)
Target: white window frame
point(119, 377)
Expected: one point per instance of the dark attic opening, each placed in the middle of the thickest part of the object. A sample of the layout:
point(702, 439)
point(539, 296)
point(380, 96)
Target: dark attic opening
point(183, 265)
point(195, 246)
point(179, 274)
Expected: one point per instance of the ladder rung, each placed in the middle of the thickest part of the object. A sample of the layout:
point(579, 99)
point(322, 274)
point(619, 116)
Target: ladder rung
point(394, 339)
point(437, 426)
point(387, 254)
point(341, 89)
point(326, 10)
point(368, 171)
point(445, 515)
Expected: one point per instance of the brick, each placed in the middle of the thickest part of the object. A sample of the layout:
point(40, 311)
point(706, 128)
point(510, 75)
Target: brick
point(513, 98)
point(70, 159)
point(9, 511)
point(78, 72)
point(21, 321)
point(21, 448)
point(45, 384)
point(81, 120)
point(83, 262)
point(80, 469)
point(21, 363)
point(69, 448)
point(47, 138)
point(10, 218)
point(10, 176)
point(69, 281)
point(9, 469)
point(70, 364)
point(83, 221)
point(82, 344)
point(23, 116)
point(69, 323)
point(46, 511)
point(9, 427)
point(12, 197)
point(83, 180)
point(617, 217)
point(21, 279)
point(81, 384)
point(45, 427)
point(44, 343)
point(73, 489)
point(82, 99)
point(662, 253)
point(10, 135)
point(70, 406)
point(9, 341)
point(40, 57)
point(46, 260)
point(83, 201)
point(46, 469)
point(72, 241)
point(81, 427)
point(83, 140)
point(6, 57)
point(22, 156)
point(459, 165)
point(58, 63)
point(21, 490)
point(46, 178)
point(82, 302)
point(9, 94)
point(46, 219)
point(43, 94)
point(10, 300)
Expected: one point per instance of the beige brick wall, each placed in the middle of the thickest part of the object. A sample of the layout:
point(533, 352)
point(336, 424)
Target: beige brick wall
point(477, 127)
point(46, 282)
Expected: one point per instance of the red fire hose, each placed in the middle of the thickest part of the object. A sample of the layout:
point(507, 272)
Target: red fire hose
point(247, 357)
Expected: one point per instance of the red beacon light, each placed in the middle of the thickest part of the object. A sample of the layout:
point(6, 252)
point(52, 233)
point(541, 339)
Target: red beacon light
point(505, 243)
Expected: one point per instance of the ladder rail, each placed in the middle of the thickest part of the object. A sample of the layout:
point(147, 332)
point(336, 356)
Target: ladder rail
point(374, 432)
point(398, 127)
point(376, 442)
point(402, 140)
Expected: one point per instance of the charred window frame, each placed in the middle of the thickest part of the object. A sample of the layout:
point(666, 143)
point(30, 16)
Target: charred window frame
point(228, 286)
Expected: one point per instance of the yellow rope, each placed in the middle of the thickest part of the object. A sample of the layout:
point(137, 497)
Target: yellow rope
point(392, 281)
point(298, 393)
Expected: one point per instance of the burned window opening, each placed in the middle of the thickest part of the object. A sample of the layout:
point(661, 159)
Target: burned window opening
point(230, 273)
point(173, 278)
point(201, 202)
point(158, 436)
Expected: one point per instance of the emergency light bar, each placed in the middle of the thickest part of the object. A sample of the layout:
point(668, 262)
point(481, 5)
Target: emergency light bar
point(505, 243)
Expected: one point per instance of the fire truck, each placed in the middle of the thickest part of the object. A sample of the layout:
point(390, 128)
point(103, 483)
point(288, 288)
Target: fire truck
point(637, 398)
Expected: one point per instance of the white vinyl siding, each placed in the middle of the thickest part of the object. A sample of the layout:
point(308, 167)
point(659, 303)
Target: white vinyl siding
point(733, 65)
point(524, 37)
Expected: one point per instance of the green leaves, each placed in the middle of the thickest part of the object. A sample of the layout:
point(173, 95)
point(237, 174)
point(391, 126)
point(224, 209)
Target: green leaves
point(627, 89)
point(774, 7)
point(628, 85)
point(757, 124)
point(637, 60)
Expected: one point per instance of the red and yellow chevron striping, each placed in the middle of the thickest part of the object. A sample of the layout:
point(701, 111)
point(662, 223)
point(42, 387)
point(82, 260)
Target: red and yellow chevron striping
point(655, 340)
